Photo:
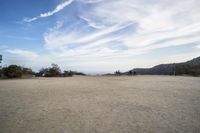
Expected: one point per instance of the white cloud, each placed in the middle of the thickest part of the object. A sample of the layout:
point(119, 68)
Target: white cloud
point(24, 54)
point(50, 13)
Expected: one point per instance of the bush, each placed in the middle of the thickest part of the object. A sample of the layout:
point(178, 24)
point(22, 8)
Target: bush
point(68, 74)
point(1, 72)
point(27, 71)
point(53, 71)
point(12, 71)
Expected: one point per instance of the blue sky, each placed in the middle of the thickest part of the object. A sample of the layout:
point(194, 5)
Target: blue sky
point(98, 36)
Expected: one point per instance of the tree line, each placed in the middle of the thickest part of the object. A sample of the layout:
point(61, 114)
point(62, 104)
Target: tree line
point(15, 71)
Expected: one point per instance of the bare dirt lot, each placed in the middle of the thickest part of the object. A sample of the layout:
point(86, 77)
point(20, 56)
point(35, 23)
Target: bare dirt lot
point(140, 104)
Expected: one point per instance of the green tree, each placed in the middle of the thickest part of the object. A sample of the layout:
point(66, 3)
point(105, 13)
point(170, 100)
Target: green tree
point(12, 71)
point(54, 71)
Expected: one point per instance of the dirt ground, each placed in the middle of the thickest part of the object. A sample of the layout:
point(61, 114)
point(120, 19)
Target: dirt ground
point(140, 104)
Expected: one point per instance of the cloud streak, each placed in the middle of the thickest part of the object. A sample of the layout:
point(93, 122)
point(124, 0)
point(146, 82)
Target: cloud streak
point(127, 25)
point(50, 13)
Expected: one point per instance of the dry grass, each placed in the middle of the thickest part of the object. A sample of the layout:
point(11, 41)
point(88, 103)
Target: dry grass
point(142, 104)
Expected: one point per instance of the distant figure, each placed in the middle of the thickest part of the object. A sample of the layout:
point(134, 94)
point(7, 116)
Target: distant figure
point(0, 60)
point(132, 73)
point(118, 73)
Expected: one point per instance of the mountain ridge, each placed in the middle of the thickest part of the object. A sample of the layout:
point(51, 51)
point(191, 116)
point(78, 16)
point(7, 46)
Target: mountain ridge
point(191, 67)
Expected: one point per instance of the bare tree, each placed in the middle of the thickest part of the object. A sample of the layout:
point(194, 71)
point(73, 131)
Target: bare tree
point(0, 58)
point(53, 71)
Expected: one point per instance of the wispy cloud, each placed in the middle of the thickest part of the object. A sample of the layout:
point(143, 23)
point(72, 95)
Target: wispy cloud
point(92, 23)
point(56, 38)
point(91, 1)
point(198, 46)
point(24, 54)
point(50, 13)
point(106, 32)
point(138, 25)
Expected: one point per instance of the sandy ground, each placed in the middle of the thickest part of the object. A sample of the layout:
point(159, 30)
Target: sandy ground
point(141, 104)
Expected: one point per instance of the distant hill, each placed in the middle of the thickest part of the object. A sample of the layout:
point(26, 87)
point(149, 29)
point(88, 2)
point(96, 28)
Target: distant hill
point(195, 61)
point(191, 67)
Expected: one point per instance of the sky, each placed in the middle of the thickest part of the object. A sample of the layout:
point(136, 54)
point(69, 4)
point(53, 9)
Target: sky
point(98, 36)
